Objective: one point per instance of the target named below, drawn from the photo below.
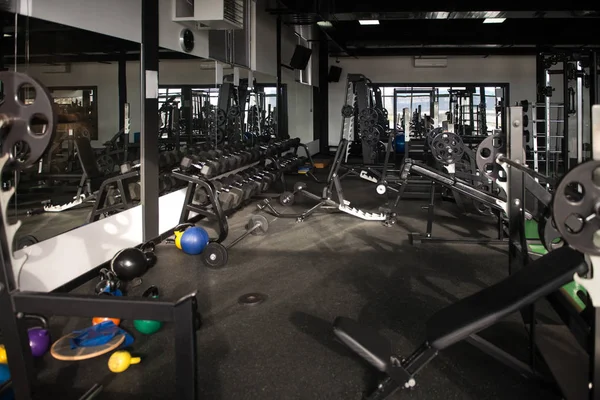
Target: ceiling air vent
(209, 14)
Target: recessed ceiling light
(368, 21)
(324, 24)
(7, 35)
(494, 20)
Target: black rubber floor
(312, 271)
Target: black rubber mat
(310, 272)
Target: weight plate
(252, 299)
(347, 111)
(105, 164)
(221, 117)
(233, 111)
(576, 209)
(261, 221)
(550, 236)
(432, 134)
(447, 148)
(29, 125)
(215, 255)
(286, 199)
(487, 151)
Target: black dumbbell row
(211, 163)
(234, 190)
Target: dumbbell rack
(213, 209)
(14, 303)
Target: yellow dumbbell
(121, 360)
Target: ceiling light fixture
(7, 35)
(368, 21)
(324, 24)
(494, 20)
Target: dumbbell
(232, 185)
(237, 158)
(135, 191)
(210, 166)
(266, 176)
(226, 163)
(246, 185)
(260, 183)
(229, 197)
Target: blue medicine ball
(4, 373)
(194, 240)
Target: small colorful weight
(39, 336)
(178, 239)
(4, 373)
(3, 359)
(194, 240)
(99, 320)
(145, 326)
(120, 360)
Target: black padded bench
(461, 320)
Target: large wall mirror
(94, 80)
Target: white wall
(119, 18)
(517, 71)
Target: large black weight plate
(261, 221)
(575, 208)
(105, 164)
(214, 255)
(27, 126)
(447, 148)
(221, 117)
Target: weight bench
(462, 320)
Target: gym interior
(282, 199)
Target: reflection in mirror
(220, 103)
(90, 169)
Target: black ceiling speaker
(335, 74)
(301, 57)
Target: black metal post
(565, 124)
(280, 115)
(122, 82)
(323, 93)
(149, 131)
(188, 112)
(595, 356)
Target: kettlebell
(178, 231)
(39, 336)
(3, 359)
(120, 360)
(145, 326)
(149, 248)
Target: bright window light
(494, 20)
(368, 21)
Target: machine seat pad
(364, 341)
(486, 307)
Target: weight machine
(333, 184)
(15, 303)
(573, 256)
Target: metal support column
(122, 82)
(279, 86)
(323, 100)
(149, 131)
(566, 109)
(579, 110)
(188, 112)
(515, 192)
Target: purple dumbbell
(39, 336)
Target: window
(459, 104)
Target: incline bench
(461, 320)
